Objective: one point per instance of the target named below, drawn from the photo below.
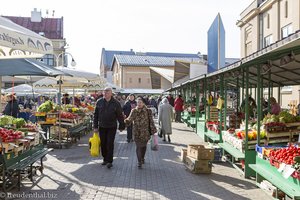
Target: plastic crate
(258, 148)
(264, 148)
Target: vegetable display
(45, 107)
(6, 120)
(19, 122)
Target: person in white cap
(107, 112)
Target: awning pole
(1, 94)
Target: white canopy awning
(27, 89)
(19, 42)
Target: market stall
(20, 149)
(75, 122)
(247, 134)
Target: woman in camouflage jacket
(143, 128)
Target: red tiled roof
(52, 27)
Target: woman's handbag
(154, 142)
(160, 132)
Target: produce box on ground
(218, 152)
(198, 166)
(183, 155)
(199, 152)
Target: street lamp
(73, 63)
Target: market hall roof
(107, 56)
(139, 60)
(281, 59)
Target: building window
(268, 21)
(268, 40)
(286, 9)
(286, 31)
(248, 34)
(130, 80)
(287, 89)
(47, 59)
(248, 49)
(140, 80)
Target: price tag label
(281, 167)
(288, 171)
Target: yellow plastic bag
(220, 103)
(210, 100)
(95, 145)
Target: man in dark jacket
(12, 107)
(171, 99)
(129, 105)
(107, 112)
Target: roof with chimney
(51, 28)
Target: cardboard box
(183, 155)
(199, 152)
(198, 166)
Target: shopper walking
(129, 105)
(165, 117)
(171, 100)
(178, 106)
(107, 112)
(143, 128)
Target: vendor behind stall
(11, 107)
(252, 106)
(77, 101)
(66, 99)
(275, 107)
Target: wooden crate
(8, 147)
(18, 150)
(183, 155)
(36, 136)
(31, 140)
(279, 137)
(198, 166)
(199, 152)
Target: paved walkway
(73, 174)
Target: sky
(177, 26)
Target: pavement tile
(74, 173)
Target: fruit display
(28, 127)
(68, 115)
(46, 107)
(289, 156)
(10, 135)
(213, 126)
(285, 155)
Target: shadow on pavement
(163, 174)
